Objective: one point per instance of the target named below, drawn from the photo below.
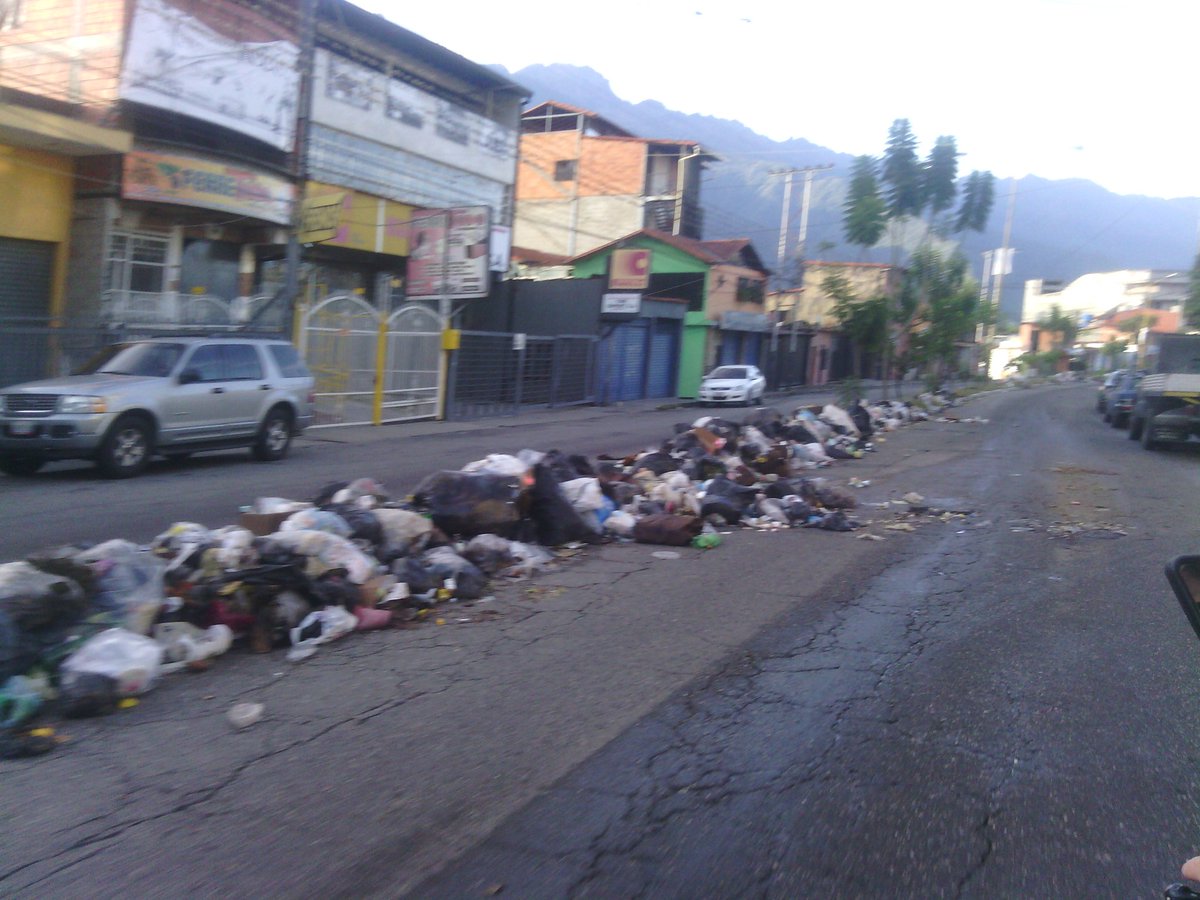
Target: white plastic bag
(182, 643)
(129, 582)
(334, 622)
(131, 660)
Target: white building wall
(1094, 293)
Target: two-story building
(584, 182)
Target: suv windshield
(144, 358)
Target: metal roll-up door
(627, 361)
(751, 344)
(731, 348)
(25, 269)
(664, 352)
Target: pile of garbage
(91, 627)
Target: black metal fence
(497, 373)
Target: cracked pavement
(966, 709)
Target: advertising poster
(448, 252)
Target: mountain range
(1061, 229)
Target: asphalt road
(1002, 703)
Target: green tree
(864, 214)
(1191, 306)
(979, 194)
(939, 176)
(902, 172)
(950, 308)
(864, 321)
(1112, 349)
(1061, 326)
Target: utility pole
(809, 172)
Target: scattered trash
(243, 715)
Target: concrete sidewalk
(785, 400)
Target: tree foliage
(950, 308)
(1062, 327)
(902, 172)
(979, 195)
(939, 176)
(864, 321)
(865, 211)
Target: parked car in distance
(1118, 399)
(740, 384)
(168, 396)
(1109, 380)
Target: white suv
(171, 396)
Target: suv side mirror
(189, 376)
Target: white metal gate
(370, 369)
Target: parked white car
(733, 384)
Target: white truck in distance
(1167, 407)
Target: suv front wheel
(274, 436)
(126, 449)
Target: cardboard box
(263, 524)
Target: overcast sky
(1096, 89)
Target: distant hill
(1061, 229)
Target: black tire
(1148, 440)
(20, 467)
(274, 436)
(1135, 427)
(1107, 417)
(1118, 421)
(126, 448)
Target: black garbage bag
(415, 573)
(763, 418)
(34, 599)
(703, 468)
(19, 652)
(659, 462)
(443, 564)
(723, 428)
(470, 503)
(364, 525)
(727, 499)
(554, 520)
(565, 468)
(325, 494)
(84, 694)
(335, 589)
(862, 420)
(798, 433)
(836, 520)
(798, 512)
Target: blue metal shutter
(664, 353)
(751, 345)
(627, 361)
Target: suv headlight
(81, 403)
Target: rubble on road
(86, 629)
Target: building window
(136, 263)
(11, 14)
(564, 170)
(749, 290)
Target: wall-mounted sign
(188, 181)
(448, 252)
(354, 99)
(620, 304)
(338, 217)
(238, 71)
(629, 270)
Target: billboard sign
(200, 67)
(629, 270)
(189, 181)
(448, 252)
